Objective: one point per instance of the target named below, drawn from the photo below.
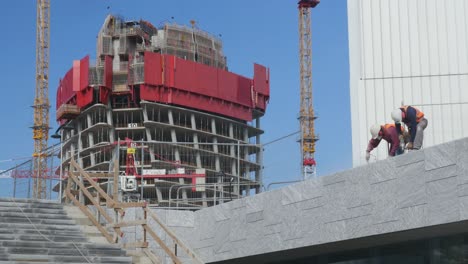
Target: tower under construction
(161, 101)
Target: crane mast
(41, 101)
(306, 115)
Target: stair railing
(95, 195)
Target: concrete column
(259, 159)
(246, 158)
(215, 145)
(176, 151)
(197, 153)
(232, 150)
(112, 136)
(92, 155)
(195, 141)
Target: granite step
(63, 259)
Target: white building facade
(411, 52)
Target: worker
(415, 121)
(390, 134)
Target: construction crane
(306, 115)
(41, 101)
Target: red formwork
(65, 91)
(261, 86)
(172, 80)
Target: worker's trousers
(418, 140)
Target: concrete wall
(410, 52)
(420, 189)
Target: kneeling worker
(415, 121)
(390, 134)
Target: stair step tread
(38, 226)
(59, 258)
(34, 215)
(43, 237)
(32, 230)
(71, 251)
(36, 220)
(33, 210)
(42, 244)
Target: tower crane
(306, 115)
(41, 101)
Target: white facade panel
(411, 52)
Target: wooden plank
(187, 250)
(162, 244)
(90, 216)
(139, 244)
(128, 223)
(127, 205)
(67, 200)
(96, 204)
(93, 183)
(153, 257)
(115, 188)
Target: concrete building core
(162, 102)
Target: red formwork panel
(84, 97)
(153, 68)
(80, 74)
(169, 62)
(66, 89)
(261, 79)
(227, 85)
(261, 86)
(195, 77)
(244, 91)
(212, 105)
(150, 93)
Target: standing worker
(415, 121)
(390, 134)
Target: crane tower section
(306, 115)
(41, 101)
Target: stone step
(33, 210)
(64, 259)
(76, 232)
(31, 205)
(43, 237)
(36, 221)
(72, 251)
(42, 244)
(34, 215)
(27, 200)
(38, 226)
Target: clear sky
(264, 32)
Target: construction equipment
(306, 116)
(41, 101)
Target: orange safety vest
(387, 126)
(419, 114)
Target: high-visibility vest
(419, 114)
(386, 126)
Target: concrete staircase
(94, 235)
(40, 231)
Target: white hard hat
(396, 115)
(374, 130)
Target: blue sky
(264, 32)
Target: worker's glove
(401, 138)
(409, 146)
(367, 156)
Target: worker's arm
(373, 143)
(412, 124)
